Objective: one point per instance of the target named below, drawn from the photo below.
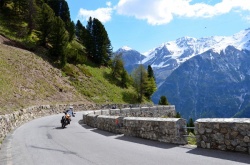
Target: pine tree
(32, 14)
(45, 22)
(139, 76)
(150, 86)
(90, 45)
(58, 39)
(118, 72)
(117, 66)
(20, 7)
(150, 72)
(71, 31)
(78, 29)
(125, 79)
(61, 9)
(98, 44)
(81, 33)
(163, 101)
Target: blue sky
(146, 24)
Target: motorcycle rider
(70, 111)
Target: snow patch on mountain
(185, 48)
(126, 48)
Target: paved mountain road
(43, 142)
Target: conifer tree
(20, 7)
(125, 79)
(31, 15)
(139, 76)
(98, 44)
(78, 29)
(150, 84)
(150, 87)
(117, 66)
(163, 101)
(118, 72)
(150, 72)
(58, 39)
(71, 31)
(90, 45)
(45, 22)
(61, 9)
(81, 33)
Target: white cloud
(109, 4)
(158, 12)
(102, 14)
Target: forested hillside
(40, 35)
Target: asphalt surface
(43, 142)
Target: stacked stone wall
(11, 121)
(154, 111)
(231, 134)
(169, 130)
(108, 123)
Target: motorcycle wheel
(63, 124)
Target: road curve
(43, 142)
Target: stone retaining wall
(10, 121)
(170, 130)
(154, 111)
(108, 123)
(231, 134)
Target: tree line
(47, 24)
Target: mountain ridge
(222, 61)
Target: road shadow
(96, 130)
(147, 142)
(225, 155)
(86, 126)
(57, 150)
(104, 133)
(59, 127)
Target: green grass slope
(26, 79)
(97, 85)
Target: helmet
(70, 107)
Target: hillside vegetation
(46, 58)
(26, 79)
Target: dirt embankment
(26, 80)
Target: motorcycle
(66, 119)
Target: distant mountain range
(206, 77)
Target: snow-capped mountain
(131, 57)
(205, 77)
(170, 55)
(210, 84)
(185, 48)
